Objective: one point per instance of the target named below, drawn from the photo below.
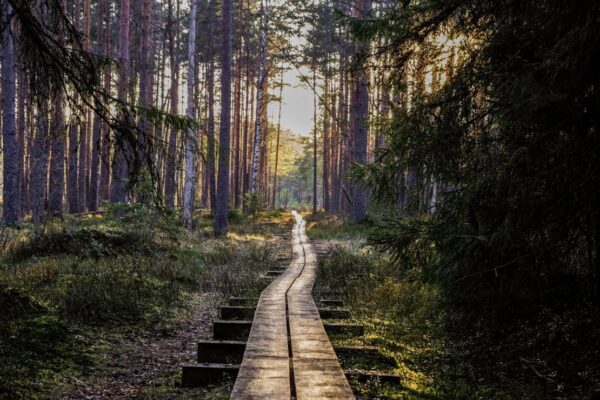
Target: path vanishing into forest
(288, 353)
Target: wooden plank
(276, 356)
(317, 371)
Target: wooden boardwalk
(288, 354)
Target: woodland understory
(449, 176)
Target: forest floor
(442, 352)
(110, 308)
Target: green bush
(95, 242)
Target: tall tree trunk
(10, 192)
(57, 167)
(326, 143)
(104, 186)
(72, 184)
(260, 90)
(237, 123)
(23, 140)
(72, 173)
(210, 77)
(190, 137)
(84, 132)
(170, 179)
(145, 88)
(315, 123)
(277, 140)
(221, 224)
(360, 114)
(120, 169)
(39, 168)
(101, 39)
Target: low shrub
(82, 241)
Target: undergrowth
(67, 286)
(444, 352)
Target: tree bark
(360, 114)
(39, 168)
(315, 124)
(260, 95)
(120, 170)
(170, 179)
(277, 140)
(190, 137)
(221, 223)
(10, 192)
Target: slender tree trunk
(145, 88)
(10, 170)
(57, 168)
(72, 173)
(170, 179)
(260, 88)
(237, 128)
(210, 156)
(101, 38)
(72, 186)
(83, 177)
(104, 145)
(326, 145)
(221, 224)
(360, 114)
(120, 170)
(315, 123)
(23, 140)
(277, 140)
(190, 137)
(39, 168)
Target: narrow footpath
(288, 354)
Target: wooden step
(352, 330)
(197, 375)
(230, 313)
(363, 376)
(369, 355)
(221, 351)
(243, 301)
(334, 313)
(231, 330)
(332, 302)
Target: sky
(297, 111)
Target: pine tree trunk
(72, 186)
(10, 192)
(190, 137)
(101, 38)
(326, 146)
(23, 141)
(260, 88)
(145, 86)
(84, 132)
(39, 168)
(237, 129)
(360, 115)
(170, 179)
(277, 140)
(119, 167)
(315, 123)
(221, 224)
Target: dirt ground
(149, 367)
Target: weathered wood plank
(279, 361)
